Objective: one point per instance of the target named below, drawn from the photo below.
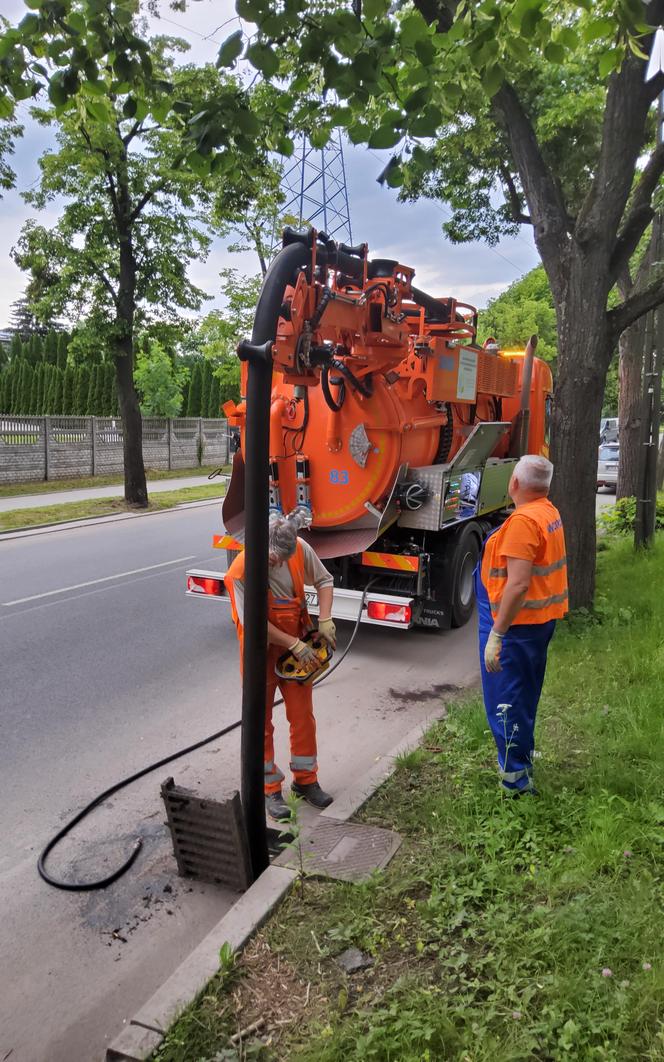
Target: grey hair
(534, 473)
(283, 531)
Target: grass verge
(14, 519)
(503, 930)
(52, 486)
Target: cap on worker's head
(283, 531)
(534, 473)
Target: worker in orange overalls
(521, 590)
(293, 564)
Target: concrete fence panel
(108, 453)
(38, 448)
(185, 442)
(69, 447)
(215, 442)
(23, 444)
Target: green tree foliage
(35, 350)
(110, 394)
(56, 400)
(51, 347)
(195, 395)
(25, 392)
(214, 408)
(98, 395)
(16, 348)
(36, 389)
(82, 388)
(90, 397)
(46, 390)
(68, 391)
(185, 396)
(61, 357)
(525, 308)
(159, 382)
(135, 217)
(14, 383)
(206, 388)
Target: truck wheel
(464, 559)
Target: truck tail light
(200, 584)
(381, 610)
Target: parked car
(607, 465)
(608, 430)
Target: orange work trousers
(287, 615)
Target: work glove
(303, 653)
(328, 631)
(492, 650)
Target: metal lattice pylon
(314, 183)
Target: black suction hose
(102, 883)
(282, 272)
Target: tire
(463, 562)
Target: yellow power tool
(289, 667)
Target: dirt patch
(429, 693)
(271, 991)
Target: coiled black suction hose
(102, 883)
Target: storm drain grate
(343, 850)
(209, 838)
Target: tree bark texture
(584, 353)
(630, 370)
(136, 491)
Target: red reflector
(381, 610)
(199, 584)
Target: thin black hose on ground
(102, 883)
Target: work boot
(276, 807)
(313, 794)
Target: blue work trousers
(512, 694)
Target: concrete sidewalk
(34, 501)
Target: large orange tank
(355, 453)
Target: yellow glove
(492, 651)
(328, 631)
(303, 653)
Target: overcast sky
(411, 233)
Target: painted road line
(94, 582)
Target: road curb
(90, 521)
(148, 1027)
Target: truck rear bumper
(380, 610)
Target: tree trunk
(584, 354)
(630, 408)
(136, 490)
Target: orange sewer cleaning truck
(393, 426)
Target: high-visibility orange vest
(547, 596)
(296, 569)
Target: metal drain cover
(209, 837)
(343, 850)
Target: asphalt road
(106, 666)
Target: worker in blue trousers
(521, 589)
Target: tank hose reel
(412, 496)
